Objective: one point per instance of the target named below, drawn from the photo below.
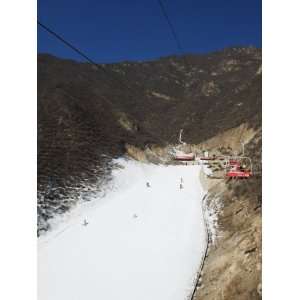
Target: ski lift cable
(59, 37)
(173, 31)
(172, 28)
(82, 54)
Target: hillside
(87, 115)
(234, 260)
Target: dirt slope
(232, 269)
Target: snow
(211, 213)
(141, 243)
(207, 171)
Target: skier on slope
(148, 184)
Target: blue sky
(116, 30)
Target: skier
(85, 222)
(181, 186)
(148, 184)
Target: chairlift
(239, 167)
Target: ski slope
(141, 243)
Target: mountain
(86, 115)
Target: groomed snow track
(140, 243)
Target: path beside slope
(140, 244)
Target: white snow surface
(141, 243)
(211, 213)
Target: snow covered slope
(141, 243)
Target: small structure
(213, 157)
(184, 156)
(180, 155)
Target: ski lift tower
(180, 137)
(243, 147)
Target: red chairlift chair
(235, 170)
